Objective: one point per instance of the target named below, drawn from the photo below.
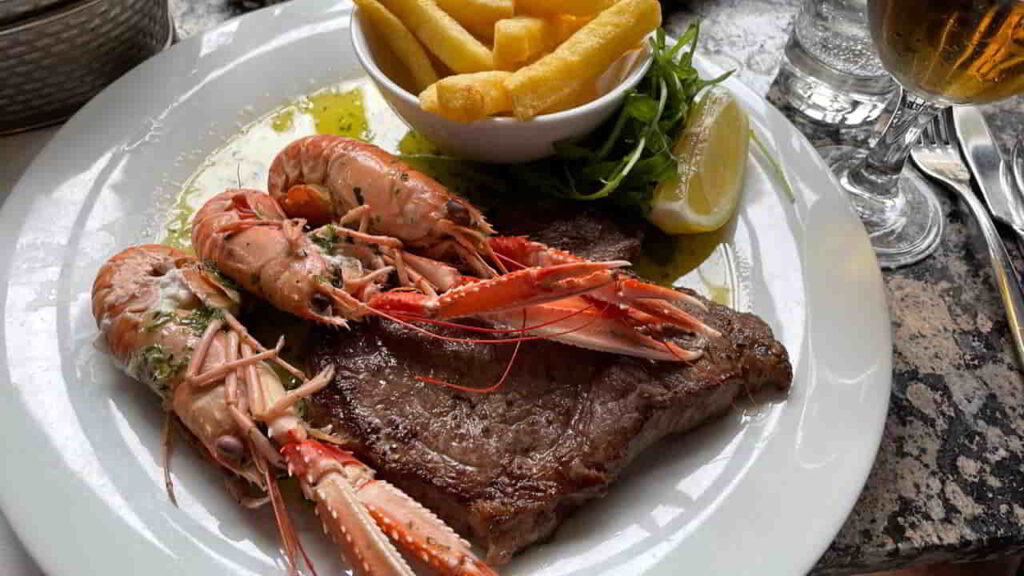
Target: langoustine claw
(626, 292)
(332, 475)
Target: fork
(1017, 164)
(938, 156)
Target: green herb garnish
(631, 154)
(158, 319)
(326, 238)
(160, 366)
(211, 267)
(199, 319)
(780, 174)
(622, 161)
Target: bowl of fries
(503, 80)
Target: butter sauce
(704, 263)
(346, 109)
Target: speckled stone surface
(948, 483)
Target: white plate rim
(62, 548)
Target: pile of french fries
(471, 59)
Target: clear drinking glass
(942, 52)
(830, 71)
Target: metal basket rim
(46, 18)
(13, 14)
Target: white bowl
(503, 140)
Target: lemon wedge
(712, 152)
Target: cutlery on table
(938, 156)
(1017, 166)
(992, 174)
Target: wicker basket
(56, 61)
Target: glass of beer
(942, 52)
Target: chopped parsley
(211, 267)
(327, 239)
(159, 318)
(159, 366)
(199, 319)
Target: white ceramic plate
(761, 492)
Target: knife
(990, 171)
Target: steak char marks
(506, 468)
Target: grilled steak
(587, 232)
(505, 468)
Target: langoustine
(170, 324)
(443, 252)
(326, 178)
(332, 277)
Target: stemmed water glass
(942, 52)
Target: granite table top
(947, 483)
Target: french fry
(550, 7)
(428, 99)
(389, 62)
(565, 25)
(586, 93)
(520, 40)
(556, 77)
(442, 35)
(398, 38)
(384, 57)
(469, 97)
(478, 16)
